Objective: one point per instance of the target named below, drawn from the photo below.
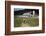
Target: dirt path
(25, 25)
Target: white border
(25, 28)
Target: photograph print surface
(24, 17)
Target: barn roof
(20, 12)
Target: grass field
(30, 21)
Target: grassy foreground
(31, 21)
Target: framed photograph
(24, 17)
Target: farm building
(27, 13)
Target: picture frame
(11, 6)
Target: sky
(16, 9)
